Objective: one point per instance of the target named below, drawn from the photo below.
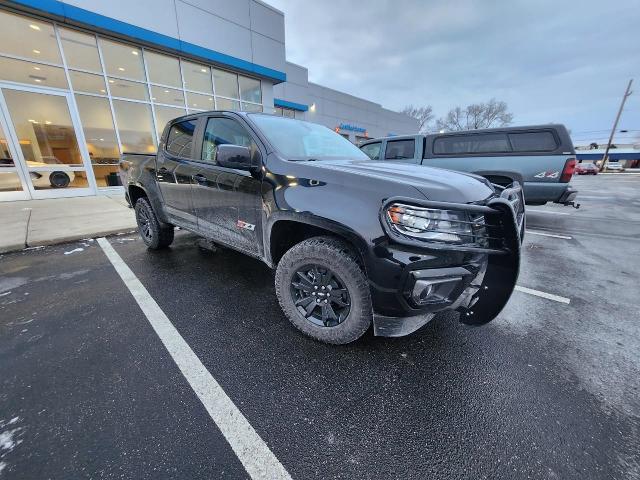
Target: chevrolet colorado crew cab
(541, 157)
(355, 243)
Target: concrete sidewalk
(33, 223)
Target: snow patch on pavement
(79, 249)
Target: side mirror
(236, 156)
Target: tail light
(568, 170)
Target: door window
(180, 139)
(221, 131)
(372, 150)
(475, 143)
(533, 142)
(400, 149)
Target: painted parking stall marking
(254, 454)
(538, 293)
(552, 235)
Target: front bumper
(475, 281)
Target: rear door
(175, 170)
(401, 150)
(227, 201)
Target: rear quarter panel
(138, 170)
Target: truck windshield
(298, 140)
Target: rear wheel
(323, 291)
(59, 180)
(154, 233)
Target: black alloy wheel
(320, 295)
(144, 224)
(154, 233)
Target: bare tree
(494, 113)
(423, 115)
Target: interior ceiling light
(133, 52)
(34, 27)
(36, 51)
(121, 69)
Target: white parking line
(547, 211)
(257, 459)
(553, 235)
(538, 293)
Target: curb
(64, 239)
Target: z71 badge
(247, 226)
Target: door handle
(200, 178)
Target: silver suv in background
(541, 158)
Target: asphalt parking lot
(550, 389)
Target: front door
(227, 201)
(42, 147)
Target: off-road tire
(154, 234)
(336, 255)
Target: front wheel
(323, 291)
(154, 234)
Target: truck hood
(436, 184)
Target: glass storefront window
(28, 38)
(10, 182)
(197, 77)
(164, 115)
(135, 126)
(251, 107)
(226, 83)
(169, 96)
(32, 73)
(100, 136)
(131, 81)
(201, 102)
(122, 60)
(87, 82)
(126, 89)
(5, 154)
(163, 69)
(226, 104)
(250, 90)
(80, 50)
(44, 128)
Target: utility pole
(605, 157)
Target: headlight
(450, 226)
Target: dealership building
(82, 81)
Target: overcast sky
(550, 60)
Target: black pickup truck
(355, 243)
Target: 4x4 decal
(547, 175)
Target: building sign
(352, 128)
